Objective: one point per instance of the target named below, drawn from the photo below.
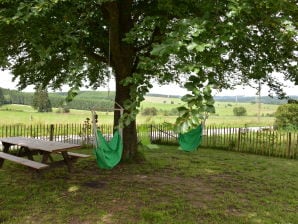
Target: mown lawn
(170, 186)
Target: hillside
(87, 99)
(252, 99)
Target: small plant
(86, 131)
(239, 111)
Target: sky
(171, 89)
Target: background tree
(41, 101)
(287, 116)
(198, 44)
(239, 111)
(2, 99)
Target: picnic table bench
(31, 146)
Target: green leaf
(192, 46)
(187, 98)
(189, 86)
(194, 79)
(182, 110)
(201, 47)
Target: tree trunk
(122, 61)
(121, 57)
(130, 131)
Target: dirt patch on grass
(95, 184)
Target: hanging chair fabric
(191, 140)
(108, 154)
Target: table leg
(5, 149)
(67, 160)
(28, 152)
(45, 157)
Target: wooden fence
(249, 140)
(72, 133)
(263, 141)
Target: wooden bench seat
(23, 161)
(78, 155)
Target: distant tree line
(8, 96)
(84, 101)
(163, 95)
(252, 99)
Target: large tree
(198, 43)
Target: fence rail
(251, 140)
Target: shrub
(63, 110)
(149, 111)
(239, 111)
(287, 116)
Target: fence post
(289, 145)
(51, 132)
(151, 138)
(239, 139)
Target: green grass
(226, 108)
(234, 121)
(170, 186)
(13, 114)
(221, 108)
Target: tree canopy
(200, 44)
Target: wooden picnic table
(32, 146)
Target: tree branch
(155, 37)
(96, 57)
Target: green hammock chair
(191, 140)
(108, 154)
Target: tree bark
(122, 57)
(124, 69)
(130, 131)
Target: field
(12, 114)
(169, 186)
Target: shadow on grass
(170, 186)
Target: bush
(287, 116)
(149, 111)
(239, 111)
(63, 110)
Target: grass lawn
(170, 186)
(14, 114)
